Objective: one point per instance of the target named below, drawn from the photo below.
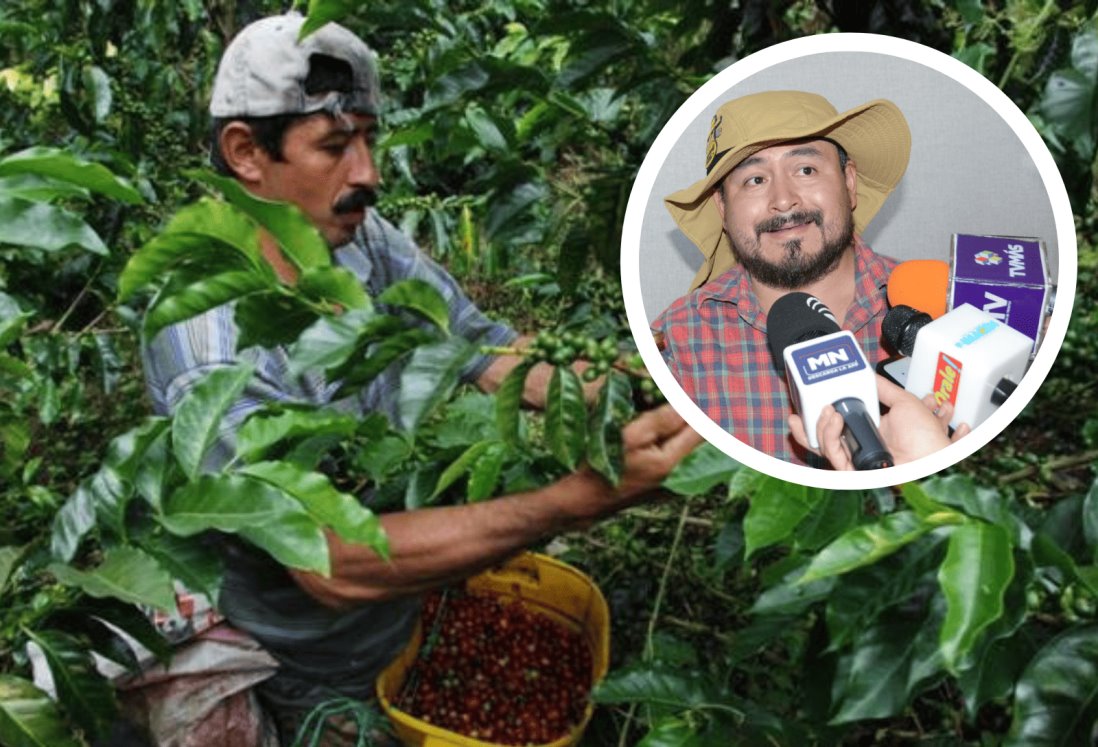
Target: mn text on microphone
(824, 366)
(966, 357)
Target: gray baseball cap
(266, 71)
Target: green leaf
(156, 470)
(703, 469)
(42, 226)
(176, 304)
(126, 573)
(485, 129)
(15, 439)
(28, 718)
(39, 189)
(266, 428)
(865, 594)
(565, 417)
(776, 508)
(873, 679)
(192, 561)
(322, 11)
(382, 457)
(298, 238)
(124, 463)
(208, 233)
(866, 545)
(509, 402)
(1056, 699)
(56, 163)
(836, 512)
(922, 504)
(976, 56)
(362, 369)
(295, 541)
(429, 378)
(227, 502)
(592, 52)
(9, 561)
(1090, 518)
(658, 686)
(978, 567)
(329, 507)
(979, 502)
(98, 84)
(1004, 649)
(197, 419)
(110, 494)
(789, 598)
(614, 407)
(85, 694)
(331, 340)
(127, 618)
(460, 466)
(268, 517)
(269, 318)
(485, 473)
(421, 297)
(72, 522)
(333, 285)
(1066, 102)
(669, 731)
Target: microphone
(824, 366)
(1005, 276)
(922, 284)
(966, 357)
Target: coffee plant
(956, 611)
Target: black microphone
(825, 366)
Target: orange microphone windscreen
(922, 284)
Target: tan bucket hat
(875, 136)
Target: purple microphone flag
(1005, 276)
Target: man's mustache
(352, 202)
(779, 222)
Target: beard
(796, 268)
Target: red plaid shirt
(716, 348)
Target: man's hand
(655, 442)
(911, 429)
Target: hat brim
(876, 137)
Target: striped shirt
(716, 348)
(379, 255)
(322, 652)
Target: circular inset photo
(848, 261)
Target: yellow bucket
(547, 587)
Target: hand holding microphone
(825, 367)
(911, 428)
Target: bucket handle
(521, 570)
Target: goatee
(795, 269)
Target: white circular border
(718, 88)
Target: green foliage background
(957, 611)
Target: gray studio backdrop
(968, 172)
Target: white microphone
(966, 356)
(825, 366)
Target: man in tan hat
(790, 184)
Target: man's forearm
(434, 546)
